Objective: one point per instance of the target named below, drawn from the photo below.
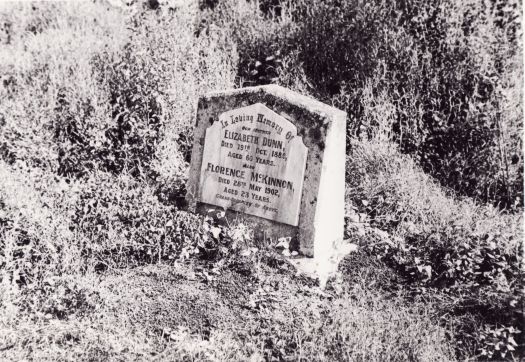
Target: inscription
(254, 162)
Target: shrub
(58, 298)
(445, 71)
(39, 81)
(441, 79)
(36, 241)
(124, 224)
(261, 39)
(83, 115)
(470, 254)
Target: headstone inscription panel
(254, 162)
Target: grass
(462, 258)
(405, 202)
(100, 262)
(177, 312)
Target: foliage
(102, 128)
(259, 38)
(441, 79)
(58, 298)
(131, 225)
(470, 254)
(498, 341)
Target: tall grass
(97, 111)
(470, 256)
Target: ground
(250, 310)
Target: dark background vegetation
(445, 69)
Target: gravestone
(274, 159)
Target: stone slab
(310, 214)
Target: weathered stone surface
(310, 214)
(254, 162)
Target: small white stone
(245, 252)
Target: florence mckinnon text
(255, 177)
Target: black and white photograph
(262, 180)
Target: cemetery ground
(99, 260)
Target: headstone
(274, 158)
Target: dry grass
(176, 312)
(407, 202)
(469, 255)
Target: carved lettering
(254, 162)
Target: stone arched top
(310, 105)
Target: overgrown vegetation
(464, 257)
(441, 79)
(99, 261)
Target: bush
(36, 241)
(441, 79)
(40, 81)
(469, 254)
(444, 69)
(99, 104)
(59, 298)
(124, 224)
(127, 140)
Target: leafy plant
(498, 342)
